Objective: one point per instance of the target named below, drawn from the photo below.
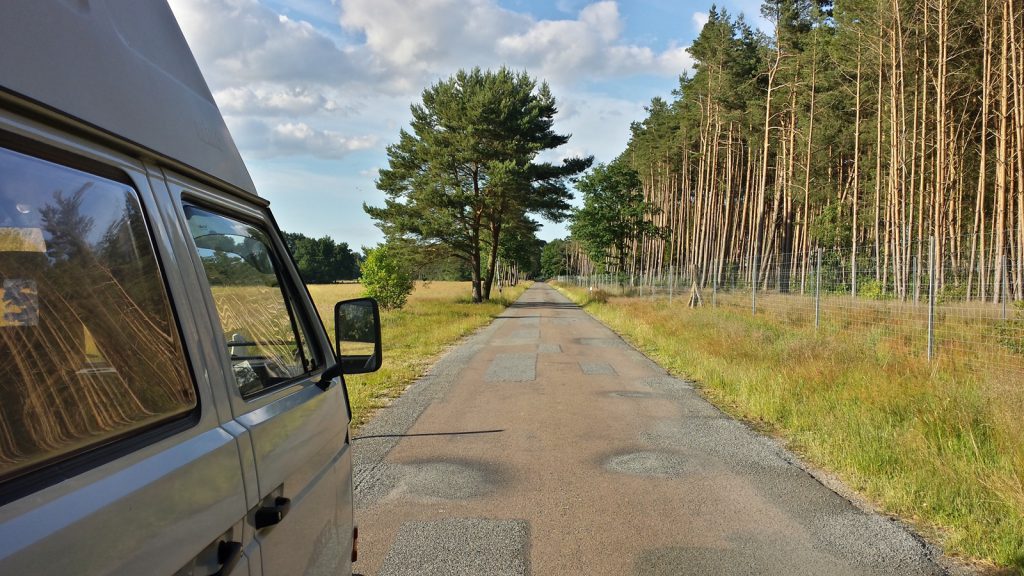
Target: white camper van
(169, 400)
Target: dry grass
(939, 444)
(436, 316)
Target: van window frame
(290, 283)
(59, 468)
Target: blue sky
(314, 90)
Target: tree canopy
(851, 126)
(552, 259)
(322, 260)
(614, 213)
(468, 170)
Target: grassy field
(437, 315)
(940, 444)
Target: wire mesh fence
(939, 307)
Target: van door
(273, 351)
(112, 460)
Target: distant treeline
(859, 126)
(322, 260)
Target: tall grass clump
(941, 445)
(436, 315)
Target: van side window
(89, 347)
(267, 342)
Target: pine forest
(874, 130)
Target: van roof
(122, 66)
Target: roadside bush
(386, 277)
(1011, 332)
(952, 293)
(872, 290)
(599, 296)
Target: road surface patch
(512, 367)
(521, 337)
(549, 349)
(563, 321)
(650, 463)
(876, 541)
(446, 480)
(747, 555)
(597, 368)
(725, 440)
(631, 394)
(459, 547)
(603, 342)
(666, 384)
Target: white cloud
(699, 20)
(599, 125)
(267, 139)
(262, 65)
(300, 138)
(242, 41)
(428, 34)
(273, 100)
(417, 42)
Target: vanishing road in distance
(546, 445)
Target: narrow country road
(546, 445)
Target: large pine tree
(469, 169)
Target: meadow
(939, 444)
(436, 316)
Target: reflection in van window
(261, 332)
(88, 345)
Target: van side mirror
(357, 336)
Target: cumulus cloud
(699, 20)
(413, 41)
(273, 100)
(298, 138)
(268, 138)
(241, 41)
(292, 87)
(428, 34)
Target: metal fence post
(853, 276)
(817, 293)
(714, 284)
(670, 286)
(1006, 284)
(755, 273)
(931, 298)
(917, 279)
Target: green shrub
(1010, 332)
(872, 290)
(952, 293)
(386, 277)
(599, 296)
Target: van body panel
(148, 518)
(297, 433)
(124, 67)
(114, 82)
(153, 509)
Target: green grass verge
(436, 316)
(938, 445)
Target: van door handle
(228, 554)
(270, 515)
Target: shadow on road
(547, 305)
(427, 434)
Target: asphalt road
(547, 445)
